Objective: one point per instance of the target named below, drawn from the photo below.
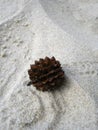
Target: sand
(33, 29)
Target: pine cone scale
(52, 74)
(46, 74)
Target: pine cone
(46, 74)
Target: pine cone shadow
(58, 99)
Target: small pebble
(4, 55)
(26, 25)
(17, 21)
(4, 47)
(21, 41)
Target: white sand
(68, 30)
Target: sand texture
(33, 29)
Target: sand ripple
(25, 37)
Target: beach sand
(33, 29)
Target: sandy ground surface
(32, 29)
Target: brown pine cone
(46, 74)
